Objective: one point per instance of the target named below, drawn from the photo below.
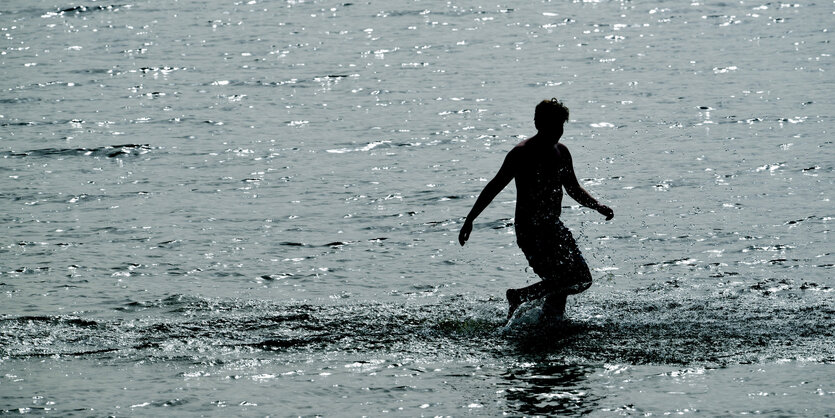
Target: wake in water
(751, 324)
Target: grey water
(251, 207)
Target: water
(251, 208)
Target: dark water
(251, 208)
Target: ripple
(110, 151)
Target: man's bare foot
(513, 300)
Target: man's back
(538, 169)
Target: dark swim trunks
(553, 254)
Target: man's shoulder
(522, 143)
(518, 148)
(563, 151)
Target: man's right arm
(496, 185)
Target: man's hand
(606, 211)
(464, 235)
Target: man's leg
(554, 300)
(562, 260)
(554, 293)
(554, 305)
(516, 297)
(534, 291)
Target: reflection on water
(549, 388)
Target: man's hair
(550, 114)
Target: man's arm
(577, 192)
(496, 185)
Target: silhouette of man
(542, 167)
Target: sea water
(251, 207)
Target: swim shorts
(553, 254)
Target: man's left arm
(576, 191)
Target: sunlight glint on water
(252, 208)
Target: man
(542, 167)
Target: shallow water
(252, 208)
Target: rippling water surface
(251, 207)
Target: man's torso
(538, 171)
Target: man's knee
(580, 270)
(584, 273)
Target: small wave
(367, 147)
(110, 151)
(72, 321)
(76, 10)
(19, 100)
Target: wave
(109, 151)
(81, 9)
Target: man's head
(550, 115)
